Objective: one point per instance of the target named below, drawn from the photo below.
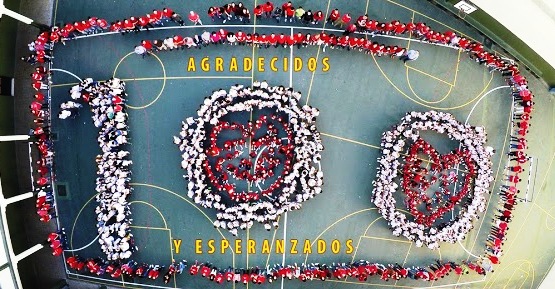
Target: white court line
(84, 247)
(65, 71)
(482, 97)
(272, 26)
(454, 284)
(139, 285)
(460, 145)
(529, 177)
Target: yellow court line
(154, 207)
(163, 83)
(439, 252)
(437, 21)
(535, 200)
(350, 140)
(491, 281)
(451, 86)
(149, 228)
(423, 100)
(457, 67)
(546, 212)
(272, 243)
(360, 237)
(75, 221)
(253, 49)
(189, 202)
(365, 11)
(318, 52)
(55, 12)
(335, 223)
(405, 260)
(386, 239)
(369, 145)
(423, 104)
(171, 254)
(512, 275)
(407, 256)
(428, 74)
(248, 236)
(410, 33)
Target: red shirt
(167, 12)
(318, 16)
(346, 18)
(194, 17)
(268, 7)
(102, 23)
(148, 45)
(289, 12)
(334, 15)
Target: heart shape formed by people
(463, 194)
(425, 200)
(251, 153)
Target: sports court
(359, 96)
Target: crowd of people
(394, 143)
(359, 270)
(299, 39)
(115, 269)
(416, 183)
(40, 137)
(41, 53)
(362, 24)
(107, 102)
(267, 151)
(302, 177)
(156, 18)
(57, 241)
(523, 107)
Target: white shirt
(64, 114)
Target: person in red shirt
(267, 9)
(213, 13)
(389, 28)
(115, 26)
(318, 16)
(289, 13)
(334, 16)
(351, 28)
(372, 26)
(241, 37)
(38, 85)
(361, 22)
(272, 40)
(258, 11)
(298, 39)
(287, 5)
(344, 20)
(57, 251)
(194, 18)
(147, 44)
(144, 23)
(178, 41)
